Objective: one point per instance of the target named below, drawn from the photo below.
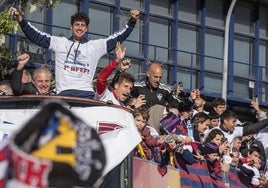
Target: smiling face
(42, 81)
(217, 139)
(203, 126)
(230, 124)
(214, 123)
(79, 28)
(235, 158)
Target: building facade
(186, 36)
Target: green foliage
(5, 62)
(6, 24)
(43, 3)
(6, 27)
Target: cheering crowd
(175, 127)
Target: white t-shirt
(76, 74)
(108, 95)
(255, 178)
(238, 131)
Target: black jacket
(153, 96)
(20, 88)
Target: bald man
(155, 92)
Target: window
(187, 43)
(214, 13)
(188, 10)
(242, 56)
(161, 7)
(213, 83)
(242, 18)
(159, 38)
(35, 15)
(241, 88)
(187, 77)
(108, 1)
(263, 21)
(214, 43)
(37, 53)
(62, 22)
(100, 21)
(132, 42)
(136, 69)
(263, 56)
(133, 4)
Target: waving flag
(115, 127)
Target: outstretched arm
(134, 15)
(15, 82)
(22, 60)
(105, 73)
(33, 34)
(123, 33)
(254, 127)
(124, 65)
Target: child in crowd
(144, 148)
(171, 118)
(255, 166)
(173, 153)
(201, 122)
(253, 163)
(235, 157)
(211, 152)
(237, 142)
(172, 123)
(214, 119)
(216, 136)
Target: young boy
(210, 150)
(144, 148)
(253, 163)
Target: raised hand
(255, 105)
(15, 14)
(134, 14)
(120, 53)
(125, 64)
(195, 93)
(140, 101)
(22, 60)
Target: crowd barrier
(146, 174)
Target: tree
(8, 25)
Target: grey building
(187, 36)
